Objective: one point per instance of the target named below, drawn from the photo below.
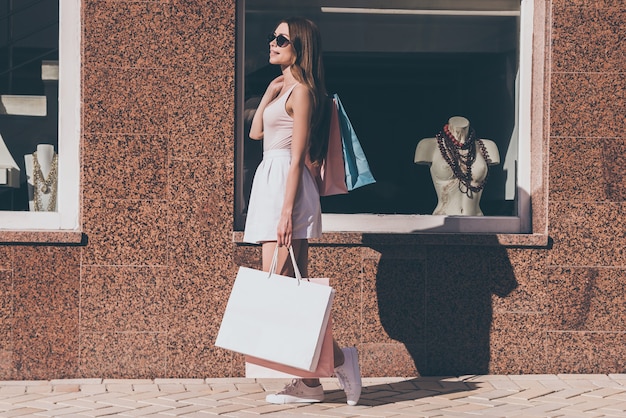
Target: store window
(404, 70)
(39, 114)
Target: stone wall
(143, 295)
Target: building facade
(139, 288)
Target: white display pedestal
(9, 170)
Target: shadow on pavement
(406, 390)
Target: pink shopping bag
(330, 176)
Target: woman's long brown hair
(308, 69)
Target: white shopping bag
(276, 318)
(257, 368)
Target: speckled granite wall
(144, 295)
(585, 276)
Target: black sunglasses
(281, 40)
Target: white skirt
(267, 197)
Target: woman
(284, 208)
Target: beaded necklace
(43, 185)
(461, 164)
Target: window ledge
(41, 237)
(359, 238)
(372, 229)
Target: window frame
(529, 123)
(520, 224)
(67, 216)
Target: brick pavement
(491, 396)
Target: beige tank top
(277, 124)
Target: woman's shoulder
(301, 89)
(300, 93)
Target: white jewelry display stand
(42, 185)
(9, 170)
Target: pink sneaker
(297, 392)
(349, 375)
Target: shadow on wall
(437, 301)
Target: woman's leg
(267, 254)
(302, 258)
(284, 266)
(352, 382)
(301, 253)
(339, 360)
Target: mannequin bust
(458, 166)
(41, 174)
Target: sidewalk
(492, 396)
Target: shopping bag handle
(274, 264)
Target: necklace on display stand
(43, 186)
(461, 163)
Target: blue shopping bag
(358, 171)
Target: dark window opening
(401, 76)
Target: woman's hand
(285, 231)
(274, 88)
